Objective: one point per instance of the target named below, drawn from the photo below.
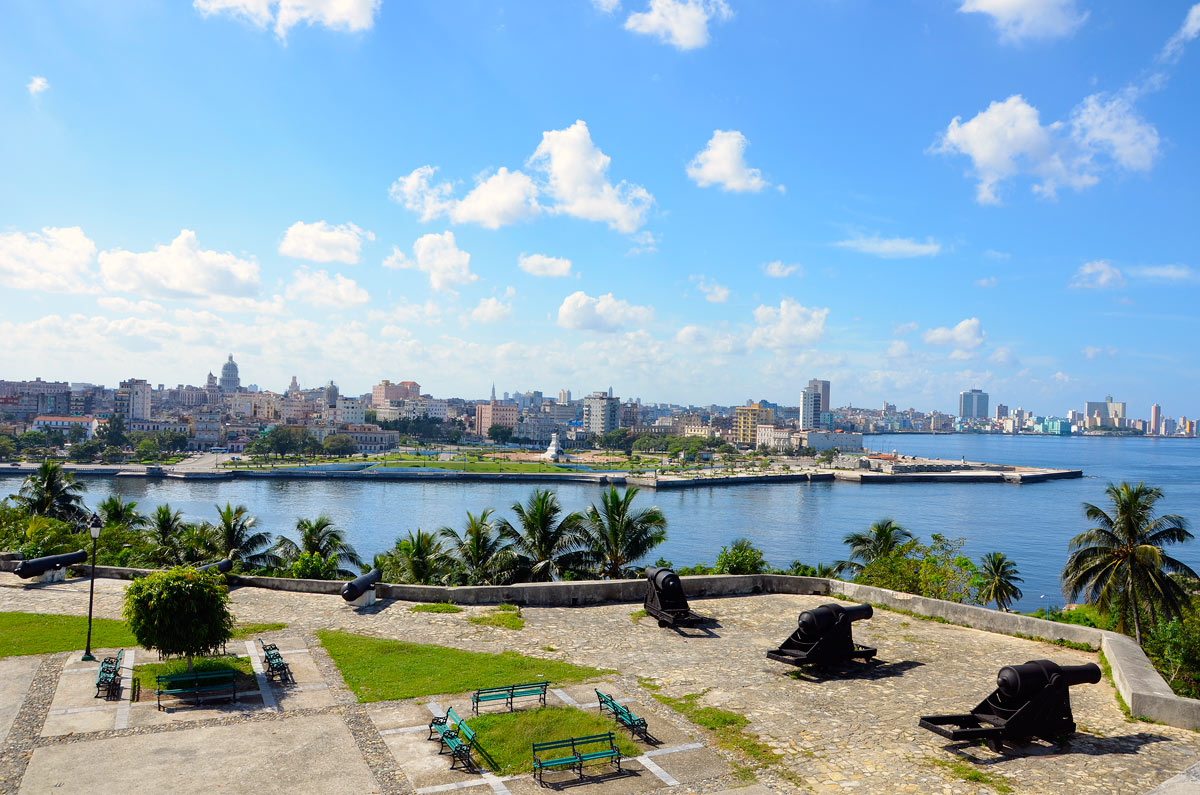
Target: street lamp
(94, 529)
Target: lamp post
(94, 529)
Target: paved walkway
(854, 731)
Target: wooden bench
(622, 715)
(108, 678)
(508, 693)
(276, 667)
(195, 683)
(455, 736)
(572, 753)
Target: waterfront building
(746, 420)
(1001, 411)
(230, 381)
(371, 438)
(64, 424)
(204, 429)
(601, 412)
(773, 437)
(973, 404)
(1155, 419)
(1106, 414)
(810, 407)
(822, 388)
(828, 440)
(133, 399)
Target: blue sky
(690, 200)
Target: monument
(554, 450)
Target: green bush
(311, 566)
(936, 570)
(180, 611)
(740, 557)
(1174, 648)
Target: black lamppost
(94, 529)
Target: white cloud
(249, 306)
(892, 247)
(1165, 273)
(1097, 275)
(1028, 19)
(503, 198)
(898, 349)
(37, 85)
(777, 270)
(179, 270)
(350, 16)
(986, 281)
(430, 313)
(604, 313)
(1092, 351)
(997, 255)
(789, 326)
(541, 265)
(902, 329)
(1002, 356)
(490, 310)
(680, 23)
(322, 242)
(576, 174)
(713, 293)
(437, 256)
(644, 242)
(115, 303)
(607, 6)
(56, 260)
(1109, 124)
(1190, 29)
(966, 335)
(1062, 377)
(723, 163)
(418, 193)
(320, 289)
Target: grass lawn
(249, 631)
(436, 607)
(384, 670)
(480, 466)
(41, 633)
(499, 619)
(504, 739)
(144, 674)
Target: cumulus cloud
(322, 242)
(713, 293)
(541, 265)
(124, 306)
(607, 6)
(320, 289)
(965, 336)
(898, 349)
(503, 198)
(37, 85)
(644, 242)
(417, 192)
(986, 281)
(439, 257)
(1018, 20)
(603, 313)
(681, 23)
(1165, 273)
(490, 310)
(1109, 124)
(892, 247)
(1092, 351)
(905, 328)
(790, 325)
(180, 269)
(777, 270)
(351, 16)
(1002, 356)
(1097, 275)
(1190, 29)
(723, 163)
(56, 260)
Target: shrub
(179, 611)
(740, 557)
(311, 566)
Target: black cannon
(36, 567)
(224, 566)
(823, 637)
(361, 584)
(665, 600)
(1030, 700)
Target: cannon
(360, 591)
(1030, 700)
(224, 566)
(823, 637)
(50, 568)
(665, 600)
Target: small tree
(500, 433)
(339, 444)
(740, 557)
(179, 611)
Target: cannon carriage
(666, 602)
(823, 637)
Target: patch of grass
(144, 674)
(42, 633)
(382, 670)
(436, 607)
(648, 683)
(1106, 670)
(726, 725)
(549, 648)
(1066, 644)
(504, 739)
(502, 620)
(505, 607)
(966, 772)
(247, 631)
(637, 615)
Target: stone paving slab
(16, 673)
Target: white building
(64, 424)
(601, 413)
(810, 408)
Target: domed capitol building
(229, 376)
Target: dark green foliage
(311, 566)
(614, 536)
(882, 538)
(179, 612)
(997, 580)
(52, 492)
(545, 543)
(339, 444)
(320, 538)
(937, 570)
(480, 555)
(740, 557)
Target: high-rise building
(495, 413)
(564, 396)
(1106, 414)
(810, 406)
(1155, 419)
(601, 412)
(746, 420)
(229, 377)
(1001, 411)
(822, 388)
(132, 399)
(973, 404)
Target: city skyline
(709, 218)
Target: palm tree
(1120, 566)
(320, 537)
(198, 543)
(480, 552)
(999, 577)
(52, 492)
(417, 558)
(881, 539)
(115, 511)
(544, 545)
(614, 537)
(237, 539)
(165, 531)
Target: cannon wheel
(663, 624)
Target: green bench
(196, 683)
(508, 693)
(454, 736)
(622, 715)
(108, 678)
(573, 753)
(276, 667)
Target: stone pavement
(857, 730)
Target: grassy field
(250, 631)
(504, 739)
(144, 674)
(480, 466)
(384, 670)
(40, 633)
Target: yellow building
(746, 420)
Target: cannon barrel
(361, 584)
(224, 566)
(1022, 681)
(39, 566)
(663, 579)
(818, 621)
